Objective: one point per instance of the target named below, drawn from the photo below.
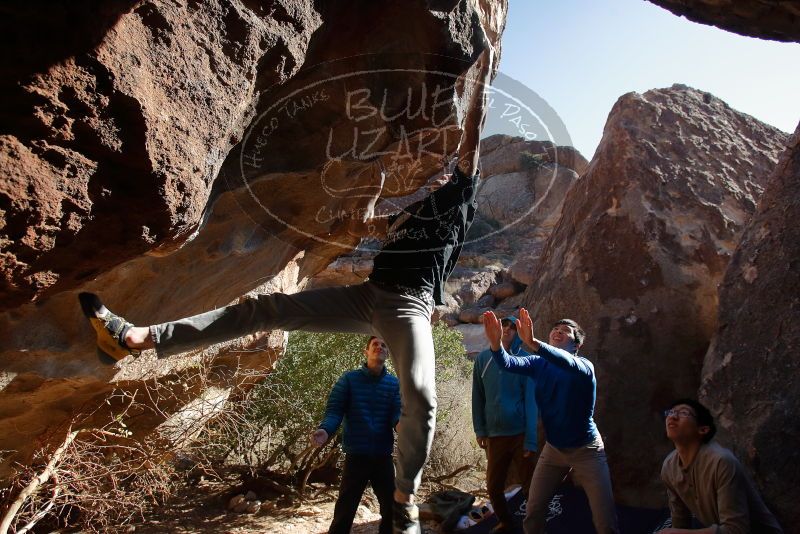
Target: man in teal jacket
(368, 400)
(504, 416)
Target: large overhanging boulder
(175, 156)
(751, 370)
(768, 19)
(642, 243)
(117, 125)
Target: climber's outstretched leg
(334, 309)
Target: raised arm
(459, 188)
(469, 149)
(364, 221)
(552, 354)
(563, 359)
(449, 190)
(523, 365)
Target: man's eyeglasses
(680, 414)
(506, 324)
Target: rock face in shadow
(642, 243)
(182, 155)
(115, 134)
(751, 371)
(767, 19)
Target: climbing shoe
(110, 328)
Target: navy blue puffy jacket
(370, 407)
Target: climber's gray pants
(403, 321)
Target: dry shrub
(98, 474)
(97, 477)
(454, 445)
(273, 421)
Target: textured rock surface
(519, 201)
(474, 338)
(751, 371)
(346, 270)
(116, 126)
(521, 197)
(643, 241)
(123, 180)
(768, 19)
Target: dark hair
(702, 416)
(580, 335)
(511, 321)
(370, 341)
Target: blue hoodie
(370, 407)
(566, 389)
(503, 404)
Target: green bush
(291, 401)
(287, 406)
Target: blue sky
(580, 56)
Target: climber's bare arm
(469, 149)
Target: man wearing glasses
(565, 393)
(504, 416)
(706, 480)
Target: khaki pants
(502, 454)
(589, 469)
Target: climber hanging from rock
(395, 303)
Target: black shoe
(502, 528)
(406, 518)
(110, 328)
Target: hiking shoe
(110, 328)
(406, 518)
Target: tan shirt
(717, 491)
